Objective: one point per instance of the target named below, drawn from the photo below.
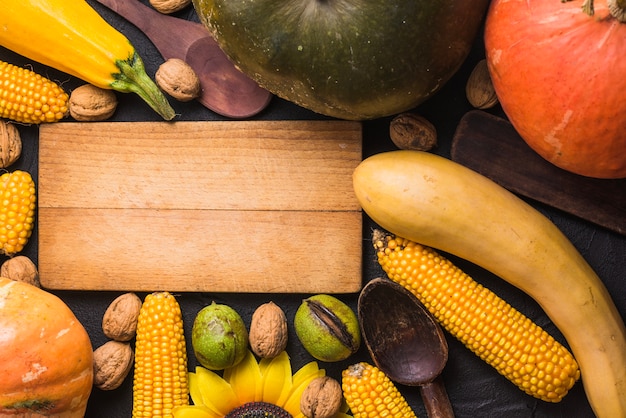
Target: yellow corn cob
(17, 211)
(515, 346)
(370, 394)
(161, 376)
(28, 97)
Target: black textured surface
(474, 388)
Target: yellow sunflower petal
(194, 389)
(245, 379)
(309, 369)
(217, 394)
(194, 411)
(293, 406)
(276, 377)
(301, 380)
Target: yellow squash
(439, 203)
(70, 36)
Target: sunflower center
(258, 410)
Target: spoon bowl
(405, 341)
(225, 90)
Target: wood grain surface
(490, 145)
(236, 206)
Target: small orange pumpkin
(559, 74)
(46, 366)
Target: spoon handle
(159, 27)
(436, 399)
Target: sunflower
(250, 389)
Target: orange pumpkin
(559, 74)
(46, 365)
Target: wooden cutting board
(235, 206)
(490, 145)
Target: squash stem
(588, 7)
(133, 78)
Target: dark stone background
(475, 389)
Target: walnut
(120, 319)
(268, 330)
(112, 362)
(91, 103)
(169, 6)
(178, 79)
(479, 88)
(21, 269)
(410, 131)
(10, 144)
(322, 398)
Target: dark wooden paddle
(405, 342)
(490, 145)
(225, 89)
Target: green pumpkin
(349, 59)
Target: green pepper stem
(133, 78)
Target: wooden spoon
(225, 89)
(405, 341)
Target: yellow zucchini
(439, 203)
(70, 36)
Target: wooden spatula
(490, 145)
(225, 89)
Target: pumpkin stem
(588, 7)
(618, 9)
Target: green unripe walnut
(327, 328)
(219, 337)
